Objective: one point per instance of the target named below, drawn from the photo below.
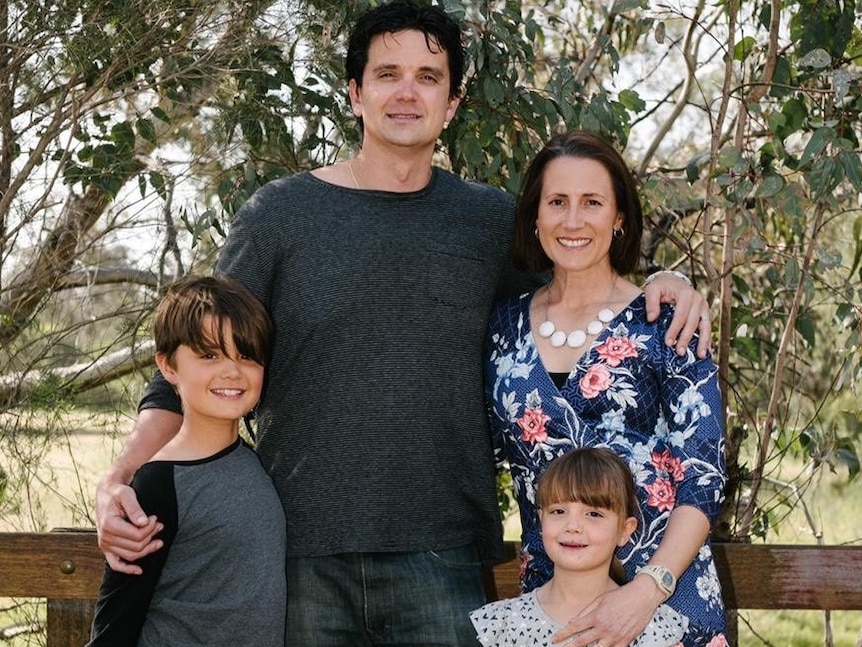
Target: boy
(219, 578)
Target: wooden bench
(65, 567)
(755, 576)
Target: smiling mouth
(573, 243)
(229, 393)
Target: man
(379, 273)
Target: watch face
(667, 579)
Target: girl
(587, 509)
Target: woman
(576, 364)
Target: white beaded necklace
(577, 337)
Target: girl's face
(579, 537)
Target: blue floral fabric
(631, 393)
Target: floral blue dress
(629, 392)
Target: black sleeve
(160, 394)
(124, 600)
(513, 282)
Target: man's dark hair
(402, 15)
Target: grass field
(52, 469)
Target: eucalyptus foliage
(160, 118)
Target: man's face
(404, 98)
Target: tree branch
(77, 378)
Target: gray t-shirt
(219, 580)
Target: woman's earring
(536, 232)
(619, 233)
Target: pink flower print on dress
(615, 349)
(661, 495)
(532, 425)
(526, 558)
(596, 380)
(669, 464)
(718, 641)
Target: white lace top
(521, 622)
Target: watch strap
(663, 577)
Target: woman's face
(577, 214)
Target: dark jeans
(370, 599)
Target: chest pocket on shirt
(458, 277)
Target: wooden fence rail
(65, 567)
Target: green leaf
(770, 186)
(841, 81)
(692, 169)
(157, 180)
(795, 113)
(123, 136)
(824, 176)
(252, 131)
(828, 258)
(161, 115)
(852, 169)
(791, 273)
(743, 48)
(86, 153)
(847, 456)
(816, 144)
(729, 156)
(844, 314)
(742, 189)
(493, 91)
(857, 236)
(621, 6)
(747, 349)
(146, 129)
(632, 101)
(805, 327)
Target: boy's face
(214, 386)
